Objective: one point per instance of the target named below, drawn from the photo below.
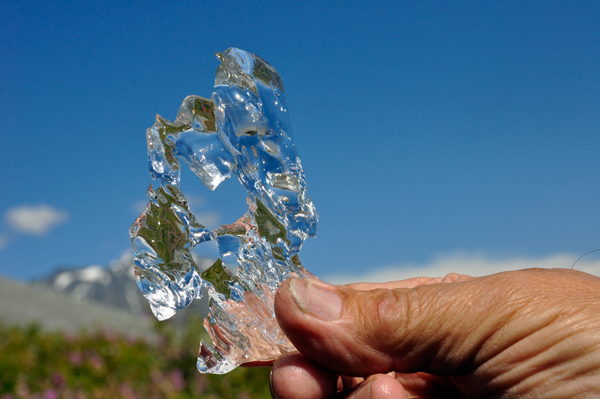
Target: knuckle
(455, 277)
(391, 317)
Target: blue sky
(427, 130)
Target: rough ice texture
(245, 130)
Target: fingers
(410, 283)
(441, 329)
(366, 332)
(294, 377)
(378, 386)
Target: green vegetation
(43, 365)
(219, 277)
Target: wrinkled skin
(525, 334)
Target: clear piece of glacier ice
(245, 130)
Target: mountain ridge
(92, 297)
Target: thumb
(441, 329)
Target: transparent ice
(245, 130)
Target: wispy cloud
(209, 219)
(464, 263)
(37, 220)
(139, 206)
(195, 200)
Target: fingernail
(363, 392)
(316, 299)
(271, 385)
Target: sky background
(463, 134)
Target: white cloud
(139, 206)
(195, 200)
(209, 219)
(36, 220)
(470, 264)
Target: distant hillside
(114, 286)
(24, 304)
(86, 298)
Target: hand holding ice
(244, 129)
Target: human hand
(530, 333)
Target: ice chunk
(245, 130)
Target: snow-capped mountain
(113, 285)
(22, 304)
